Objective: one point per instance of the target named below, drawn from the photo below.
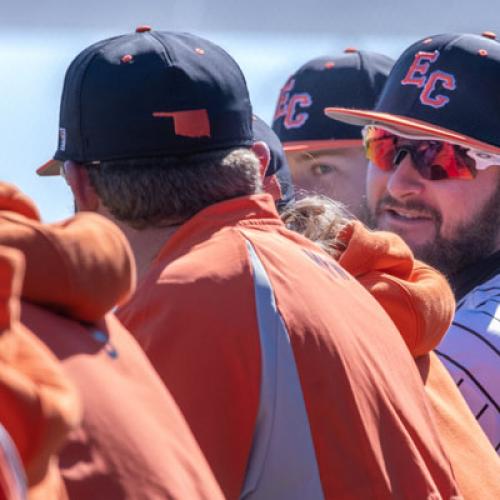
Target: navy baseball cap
(353, 79)
(278, 179)
(151, 94)
(442, 87)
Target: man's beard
(471, 242)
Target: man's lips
(405, 214)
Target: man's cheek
(376, 182)
(303, 181)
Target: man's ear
(77, 178)
(261, 149)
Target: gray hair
(157, 192)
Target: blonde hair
(319, 219)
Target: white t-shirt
(470, 351)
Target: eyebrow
(308, 155)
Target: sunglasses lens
(464, 166)
(380, 148)
(434, 160)
(440, 160)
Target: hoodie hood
(416, 296)
(38, 405)
(81, 267)
(13, 200)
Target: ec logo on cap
(288, 104)
(418, 75)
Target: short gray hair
(156, 192)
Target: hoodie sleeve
(417, 297)
(81, 267)
(38, 405)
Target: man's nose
(404, 181)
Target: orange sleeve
(12, 200)
(417, 297)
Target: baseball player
(327, 157)
(434, 178)
(258, 334)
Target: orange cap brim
(52, 167)
(291, 147)
(407, 126)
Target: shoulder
(478, 313)
(472, 344)
(484, 297)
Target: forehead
(318, 154)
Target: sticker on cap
(418, 75)
(62, 139)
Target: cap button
(144, 28)
(489, 34)
(350, 50)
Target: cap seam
(93, 54)
(455, 39)
(80, 101)
(168, 58)
(165, 53)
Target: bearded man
(434, 148)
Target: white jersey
(471, 352)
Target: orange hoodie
(38, 405)
(133, 442)
(421, 304)
(262, 339)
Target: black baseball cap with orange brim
(352, 79)
(443, 87)
(150, 94)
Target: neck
(146, 244)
